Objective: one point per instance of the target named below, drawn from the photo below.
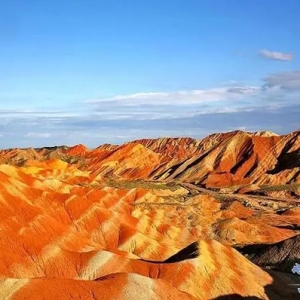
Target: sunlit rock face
(152, 219)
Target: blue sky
(94, 72)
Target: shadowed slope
(280, 256)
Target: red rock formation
(78, 150)
(150, 219)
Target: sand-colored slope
(76, 223)
(85, 233)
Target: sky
(95, 71)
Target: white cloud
(281, 56)
(189, 103)
(38, 135)
(179, 97)
(34, 113)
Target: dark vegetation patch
(124, 184)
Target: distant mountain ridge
(220, 159)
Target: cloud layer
(284, 80)
(273, 55)
(274, 105)
(179, 97)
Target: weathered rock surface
(152, 219)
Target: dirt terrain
(169, 218)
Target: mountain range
(167, 218)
